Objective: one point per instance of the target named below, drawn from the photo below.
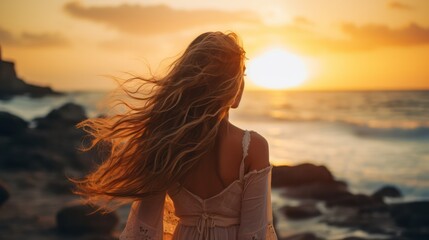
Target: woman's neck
(224, 124)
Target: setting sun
(277, 69)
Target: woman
(179, 143)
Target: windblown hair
(155, 144)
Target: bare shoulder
(258, 153)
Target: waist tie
(206, 221)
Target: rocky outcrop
(60, 185)
(299, 175)
(411, 215)
(80, 219)
(318, 191)
(308, 181)
(4, 194)
(302, 236)
(11, 84)
(355, 201)
(387, 191)
(341, 208)
(16, 158)
(64, 117)
(303, 211)
(52, 145)
(11, 125)
(401, 221)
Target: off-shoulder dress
(241, 211)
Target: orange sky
(354, 44)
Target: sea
(367, 138)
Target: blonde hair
(155, 144)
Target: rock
(411, 215)
(60, 186)
(355, 201)
(360, 238)
(303, 174)
(318, 191)
(11, 84)
(17, 158)
(51, 146)
(377, 223)
(66, 116)
(4, 194)
(69, 112)
(387, 191)
(354, 238)
(76, 220)
(416, 234)
(11, 125)
(301, 212)
(302, 236)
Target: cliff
(11, 84)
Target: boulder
(301, 212)
(302, 236)
(411, 215)
(355, 201)
(354, 238)
(81, 219)
(303, 174)
(60, 186)
(66, 116)
(377, 223)
(16, 158)
(51, 146)
(387, 191)
(11, 125)
(415, 234)
(318, 191)
(4, 194)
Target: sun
(277, 69)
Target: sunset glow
(277, 69)
(350, 45)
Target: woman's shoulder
(258, 142)
(258, 152)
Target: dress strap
(245, 145)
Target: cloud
(30, 39)
(399, 6)
(43, 39)
(155, 19)
(355, 37)
(377, 35)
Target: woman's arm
(256, 213)
(145, 220)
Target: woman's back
(239, 210)
(219, 167)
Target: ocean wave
(414, 133)
(372, 123)
(364, 127)
(29, 108)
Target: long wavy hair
(155, 143)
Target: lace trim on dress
(245, 146)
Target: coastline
(36, 160)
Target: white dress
(241, 211)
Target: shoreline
(35, 160)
